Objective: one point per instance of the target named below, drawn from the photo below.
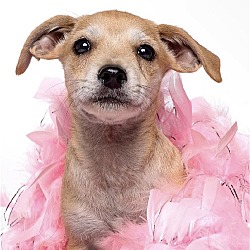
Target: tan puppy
(114, 63)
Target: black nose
(112, 77)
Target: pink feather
(210, 211)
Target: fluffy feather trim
(210, 211)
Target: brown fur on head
(113, 63)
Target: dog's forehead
(116, 23)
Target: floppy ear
(188, 54)
(43, 41)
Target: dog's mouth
(111, 108)
(110, 101)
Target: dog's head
(114, 61)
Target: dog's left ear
(188, 54)
(45, 40)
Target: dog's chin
(110, 112)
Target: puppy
(114, 63)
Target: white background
(220, 25)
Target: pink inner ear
(183, 53)
(186, 58)
(47, 43)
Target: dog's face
(113, 65)
(114, 61)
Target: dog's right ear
(43, 42)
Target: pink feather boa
(210, 211)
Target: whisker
(76, 90)
(145, 94)
(80, 89)
(65, 102)
(53, 86)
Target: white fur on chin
(109, 115)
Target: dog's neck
(119, 155)
(112, 147)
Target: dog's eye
(81, 46)
(146, 52)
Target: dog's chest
(108, 181)
(123, 194)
